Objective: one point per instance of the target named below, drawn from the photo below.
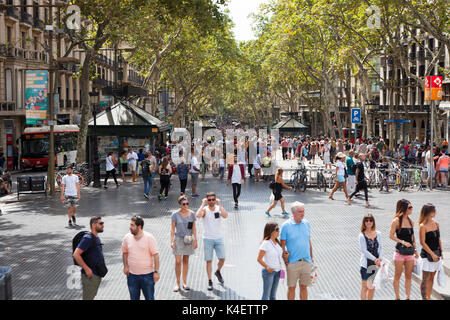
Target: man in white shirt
(212, 236)
(70, 194)
(236, 174)
(430, 165)
(132, 158)
(195, 171)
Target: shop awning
(444, 105)
(126, 114)
(290, 124)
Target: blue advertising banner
(36, 100)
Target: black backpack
(146, 166)
(76, 241)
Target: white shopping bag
(417, 266)
(272, 198)
(441, 280)
(382, 276)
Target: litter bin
(38, 183)
(5, 283)
(23, 183)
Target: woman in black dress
(278, 187)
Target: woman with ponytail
(402, 232)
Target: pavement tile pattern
(36, 241)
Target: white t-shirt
(211, 225)
(257, 162)
(427, 158)
(273, 256)
(109, 164)
(132, 157)
(327, 148)
(341, 168)
(236, 177)
(221, 162)
(194, 163)
(241, 156)
(70, 183)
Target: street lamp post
(95, 96)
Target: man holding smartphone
(211, 211)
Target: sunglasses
(211, 199)
(101, 223)
(410, 207)
(185, 204)
(277, 229)
(368, 220)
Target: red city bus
(35, 145)
(350, 133)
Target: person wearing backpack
(88, 254)
(146, 165)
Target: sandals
(185, 287)
(176, 289)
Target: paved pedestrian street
(37, 243)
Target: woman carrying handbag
(402, 232)
(431, 253)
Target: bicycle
(300, 179)
(321, 181)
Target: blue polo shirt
(297, 239)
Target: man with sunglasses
(93, 258)
(211, 211)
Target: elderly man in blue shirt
(297, 251)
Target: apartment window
(9, 84)
(413, 96)
(24, 41)
(9, 35)
(35, 10)
(20, 90)
(421, 71)
(46, 15)
(35, 43)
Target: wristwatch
(156, 271)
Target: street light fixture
(94, 97)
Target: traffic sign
(356, 115)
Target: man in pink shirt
(140, 260)
(285, 148)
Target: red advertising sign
(436, 88)
(427, 89)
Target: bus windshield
(35, 145)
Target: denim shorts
(210, 245)
(366, 275)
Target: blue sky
(239, 10)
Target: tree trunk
(85, 108)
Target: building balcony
(344, 109)
(12, 13)
(69, 104)
(61, 104)
(26, 18)
(7, 106)
(412, 55)
(38, 24)
(75, 103)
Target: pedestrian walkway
(36, 242)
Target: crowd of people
(285, 251)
